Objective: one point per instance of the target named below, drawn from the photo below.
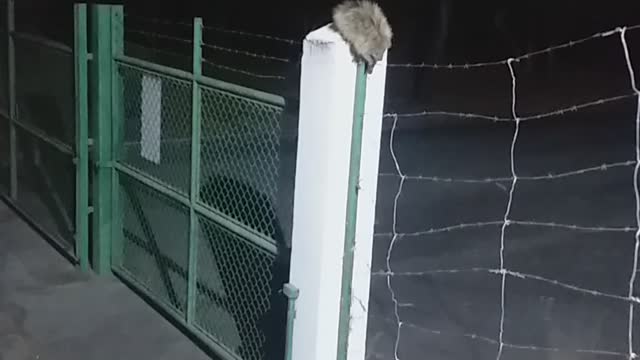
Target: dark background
(451, 306)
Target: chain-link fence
(187, 164)
(38, 121)
(238, 262)
(45, 125)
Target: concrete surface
(51, 311)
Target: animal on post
(364, 26)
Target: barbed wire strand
(210, 46)
(599, 168)
(514, 274)
(530, 223)
(210, 63)
(159, 36)
(636, 188)
(221, 30)
(245, 53)
(493, 118)
(603, 34)
(163, 51)
(243, 72)
(515, 346)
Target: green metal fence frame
(107, 113)
(78, 153)
(344, 324)
(95, 152)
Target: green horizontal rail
(256, 238)
(41, 135)
(202, 80)
(42, 41)
(201, 336)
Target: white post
(327, 94)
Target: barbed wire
(211, 63)
(494, 118)
(529, 223)
(394, 239)
(218, 29)
(507, 221)
(159, 36)
(636, 189)
(511, 273)
(246, 53)
(603, 167)
(255, 35)
(491, 341)
(243, 72)
(163, 51)
(603, 34)
(210, 46)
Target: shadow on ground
(50, 310)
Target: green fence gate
(163, 177)
(185, 185)
(44, 133)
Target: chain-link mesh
(157, 127)
(155, 245)
(241, 139)
(237, 279)
(45, 89)
(233, 314)
(239, 176)
(46, 186)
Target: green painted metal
(11, 61)
(82, 123)
(117, 120)
(44, 137)
(101, 73)
(196, 109)
(41, 41)
(203, 80)
(352, 212)
(292, 293)
(256, 238)
(196, 234)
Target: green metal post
(82, 142)
(101, 67)
(292, 293)
(117, 119)
(195, 169)
(11, 61)
(352, 212)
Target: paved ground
(49, 310)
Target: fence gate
(192, 163)
(44, 132)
